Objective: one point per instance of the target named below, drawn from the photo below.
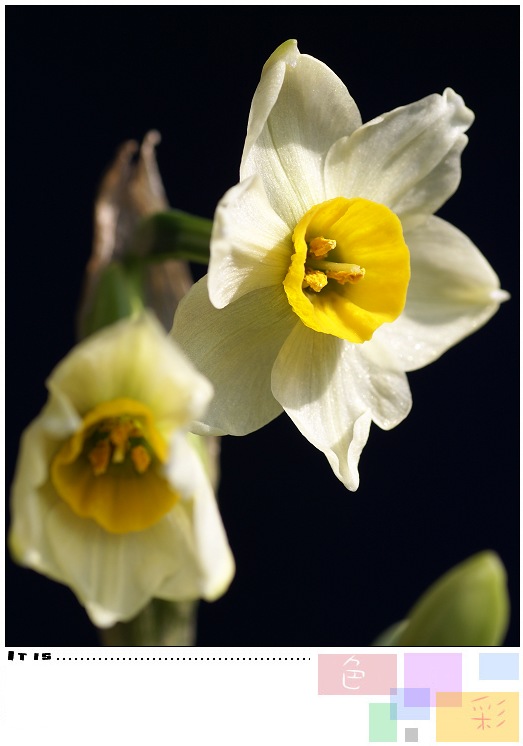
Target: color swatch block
(499, 666)
(439, 672)
(357, 673)
(484, 717)
(382, 728)
(411, 704)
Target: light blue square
(410, 704)
(499, 666)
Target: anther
(320, 247)
(314, 279)
(140, 458)
(99, 457)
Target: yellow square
(482, 718)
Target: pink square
(356, 673)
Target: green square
(382, 723)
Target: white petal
(332, 391)
(453, 291)
(235, 348)
(381, 384)
(114, 576)
(299, 109)
(59, 417)
(407, 159)
(305, 383)
(135, 359)
(251, 247)
(32, 498)
(212, 553)
(188, 457)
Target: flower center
(350, 270)
(113, 441)
(109, 470)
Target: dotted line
(181, 659)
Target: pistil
(339, 271)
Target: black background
(316, 565)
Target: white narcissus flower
(329, 276)
(110, 496)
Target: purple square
(439, 672)
(416, 697)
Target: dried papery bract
(131, 190)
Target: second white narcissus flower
(329, 276)
(110, 496)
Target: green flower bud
(391, 635)
(468, 606)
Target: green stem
(118, 294)
(173, 235)
(161, 623)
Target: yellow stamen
(119, 437)
(120, 433)
(314, 279)
(140, 458)
(99, 457)
(320, 247)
